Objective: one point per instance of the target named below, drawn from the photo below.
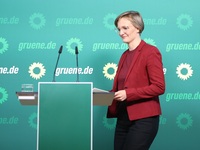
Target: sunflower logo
(32, 120)
(37, 66)
(3, 45)
(106, 71)
(37, 21)
(184, 121)
(4, 96)
(150, 41)
(184, 21)
(109, 18)
(180, 69)
(109, 125)
(74, 41)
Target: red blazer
(143, 84)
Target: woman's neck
(134, 44)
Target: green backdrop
(31, 33)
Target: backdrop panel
(31, 33)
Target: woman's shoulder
(149, 48)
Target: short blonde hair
(134, 17)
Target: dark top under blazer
(143, 84)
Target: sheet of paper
(102, 97)
(97, 90)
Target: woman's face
(127, 31)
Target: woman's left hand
(120, 95)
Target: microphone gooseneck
(77, 73)
(59, 52)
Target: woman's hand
(120, 95)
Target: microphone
(59, 52)
(76, 52)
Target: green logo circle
(37, 21)
(4, 95)
(108, 21)
(184, 21)
(184, 121)
(109, 125)
(31, 121)
(4, 46)
(74, 41)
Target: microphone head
(60, 50)
(76, 50)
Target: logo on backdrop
(109, 70)
(33, 68)
(74, 21)
(37, 21)
(184, 121)
(155, 21)
(184, 22)
(3, 95)
(182, 68)
(32, 120)
(150, 41)
(71, 43)
(3, 45)
(9, 20)
(183, 96)
(109, 123)
(108, 21)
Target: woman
(137, 85)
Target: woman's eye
(125, 28)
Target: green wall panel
(31, 33)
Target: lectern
(65, 112)
(65, 116)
